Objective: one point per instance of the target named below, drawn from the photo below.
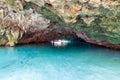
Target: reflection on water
(45, 62)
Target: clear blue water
(45, 62)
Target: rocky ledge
(41, 36)
(106, 44)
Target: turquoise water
(45, 62)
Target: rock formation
(95, 21)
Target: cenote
(45, 62)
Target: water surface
(45, 62)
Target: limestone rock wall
(98, 20)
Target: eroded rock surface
(95, 21)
